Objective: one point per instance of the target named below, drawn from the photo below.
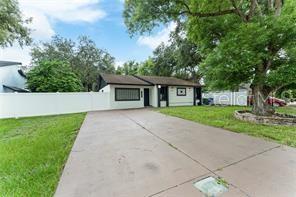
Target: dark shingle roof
(156, 80)
(146, 80)
(8, 63)
(123, 79)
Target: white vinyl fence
(228, 98)
(36, 104)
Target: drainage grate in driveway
(211, 187)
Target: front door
(146, 97)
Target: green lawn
(33, 152)
(223, 117)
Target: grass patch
(33, 152)
(287, 110)
(222, 117)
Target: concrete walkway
(134, 153)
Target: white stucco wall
(175, 100)
(105, 89)
(9, 76)
(126, 104)
(154, 98)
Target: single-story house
(12, 77)
(141, 91)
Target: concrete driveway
(134, 153)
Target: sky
(101, 20)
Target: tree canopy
(179, 58)
(53, 76)
(248, 41)
(128, 68)
(86, 60)
(13, 27)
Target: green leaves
(12, 26)
(264, 46)
(85, 59)
(53, 76)
(128, 68)
(239, 41)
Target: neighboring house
(139, 91)
(12, 78)
(227, 97)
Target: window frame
(184, 88)
(138, 93)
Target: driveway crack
(187, 155)
(246, 158)
(164, 190)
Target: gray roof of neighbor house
(8, 63)
(170, 81)
(123, 79)
(16, 89)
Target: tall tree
(89, 61)
(187, 55)
(146, 67)
(12, 26)
(248, 41)
(164, 60)
(53, 76)
(58, 48)
(128, 68)
(86, 60)
(180, 58)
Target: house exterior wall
(105, 89)
(9, 76)
(175, 100)
(126, 104)
(154, 96)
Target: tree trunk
(270, 4)
(278, 7)
(260, 105)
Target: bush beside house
(53, 76)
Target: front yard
(222, 117)
(33, 152)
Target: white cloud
(155, 40)
(66, 10)
(40, 26)
(119, 63)
(44, 14)
(16, 54)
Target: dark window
(163, 93)
(127, 94)
(181, 91)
